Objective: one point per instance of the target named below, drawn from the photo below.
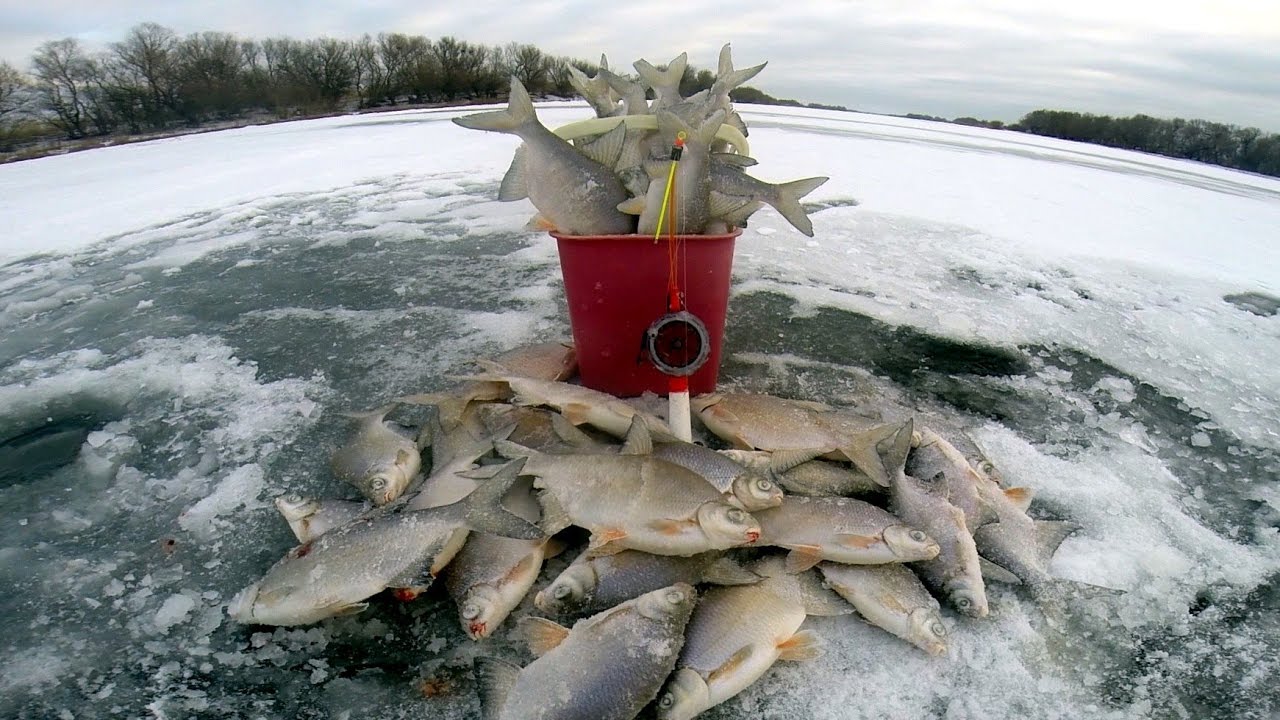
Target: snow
(184, 320)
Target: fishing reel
(678, 343)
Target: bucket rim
(735, 232)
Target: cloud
(988, 58)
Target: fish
(489, 577)
(936, 459)
(595, 90)
(799, 473)
(607, 667)
(744, 487)
(634, 501)
(956, 571)
(764, 422)
(691, 203)
(380, 459)
(336, 573)
(890, 597)
(785, 197)
(737, 633)
(665, 83)
(309, 518)
(575, 194)
(580, 405)
(538, 428)
(591, 584)
(553, 361)
(843, 530)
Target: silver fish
(573, 193)
(591, 584)
(595, 90)
(608, 667)
(380, 458)
(800, 474)
(747, 488)
(309, 518)
(665, 83)
(691, 208)
(956, 571)
(764, 422)
(336, 573)
(935, 459)
(841, 529)
(891, 597)
(737, 633)
(785, 197)
(634, 501)
(490, 576)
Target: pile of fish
(701, 565)
(613, 182)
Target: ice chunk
(240, 489)
(175, 609)
(1201, 439)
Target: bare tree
(145, 65)
(211, 69)
(12, 88)
(64, 74)
(528, 64)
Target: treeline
(1242, 148)
(155, 79)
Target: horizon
(995, 60)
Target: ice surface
(185, 319)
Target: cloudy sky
(996, 59)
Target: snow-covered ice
(185, 319)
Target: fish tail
(496, 678)
(518, 114)
(669, 78)
(484, 511)
(1061, 601)
(788, 202)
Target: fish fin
(854, 540)
(655, 78)
(728, 666)
(804, 645)
(787, 202)
(605, 541)
(877, 452)
(819, 599)
(1020, 497)
(705, 133)
(638, 440)
(569, 432)
(632, 206)
(671, 527)
(553, 548)
(275, 595)
(554, 517)
(802, 557)
(416, 577)
(515, 185)
(484, 512)
(540, 223)
(496, 678)
(722, 205)
(733, 160)
(1049, 535)
(607, 148)
(541, 635)
(783, 460)
(727, 81)
(576, 413)
(727, 571)
(518, 114)
(342, 609)
(513, 450)
(996, 573)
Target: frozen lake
(184, 319)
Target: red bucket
(616, 286)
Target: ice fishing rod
(678, 342)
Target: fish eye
(764, 485)
(736, 516)
(293, 499)
(378, 483)
(666, 701)
(963, 603)
(470, 611)
(918, 536)
(561, 592)
(938, 629)
(675, 597)
(987, 467)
